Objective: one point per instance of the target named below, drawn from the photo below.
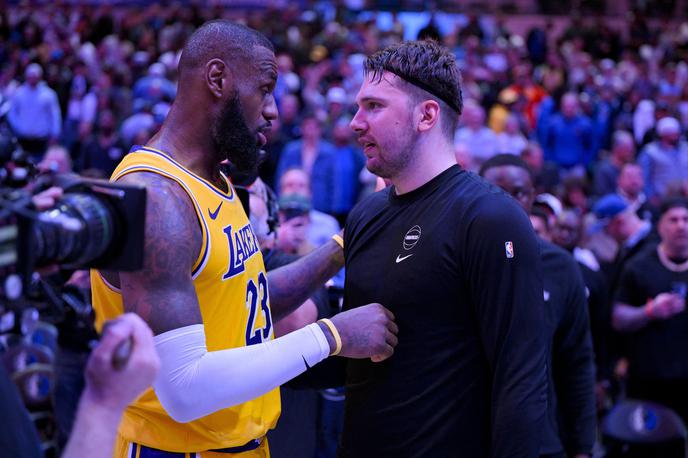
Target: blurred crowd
(599, 114)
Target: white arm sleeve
(193, 382)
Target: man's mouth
(262, 139)
(367, 146)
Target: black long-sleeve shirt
(571, 412)
(457, 262)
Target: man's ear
(217, 77)
(429, 115)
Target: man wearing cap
(34, 114)
(293, 224)
(665, 160)
(650, 307)
(620, 221)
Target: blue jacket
(323, 181)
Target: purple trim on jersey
(208, 185)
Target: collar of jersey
(148, 149)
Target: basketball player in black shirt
(570, 426)
(456, 260)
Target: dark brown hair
(429, 71)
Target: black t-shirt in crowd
(657, 351)
(457, 262)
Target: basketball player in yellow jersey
(203, 289)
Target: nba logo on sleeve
(509, 249)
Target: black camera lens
(77, 231)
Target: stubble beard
(395, 157)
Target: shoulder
(328, 149)
(323, 219)
(482, 201)
(291, 148)
(643, 259)
(367, 208)
(555, 257)
(169, 210)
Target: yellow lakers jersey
(231, 284)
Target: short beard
(233, 140)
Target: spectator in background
(575, 193)
(630, 186)
(480, 140)
(664, 161)
(540, 221)
(568, 137)
(142, 120)
(545, 174)
(104, 149)
(293, 224)
(273, 150)
(155, 87)
(632, 234)
(511, 140)
(349, 162)
(322, 226)
(81, 110)
(56, 160)
(649, 307)
(289, 109)
(317, 157)
(607, 171)
(643, 120)
(34, 113)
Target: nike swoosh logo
(305, 362)
(213, 215)
(401, 258)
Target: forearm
(94, 431)
(187, 385)
(292, 284)
(574, 384)
(626, 318)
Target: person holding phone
(650, 306)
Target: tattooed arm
(292, 284)
(162, 292)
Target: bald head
(220, 39)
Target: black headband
(425, 87)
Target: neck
(617, 161)
(310, 142)
(429, 160)
(179, 138)
(674, 252)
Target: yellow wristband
(335, 334)
(338, 238)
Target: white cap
(668, 125)
(33, 70)
(336, 95)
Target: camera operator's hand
(117, 388)
(47, 199)
(112, 383)
(367, 332)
